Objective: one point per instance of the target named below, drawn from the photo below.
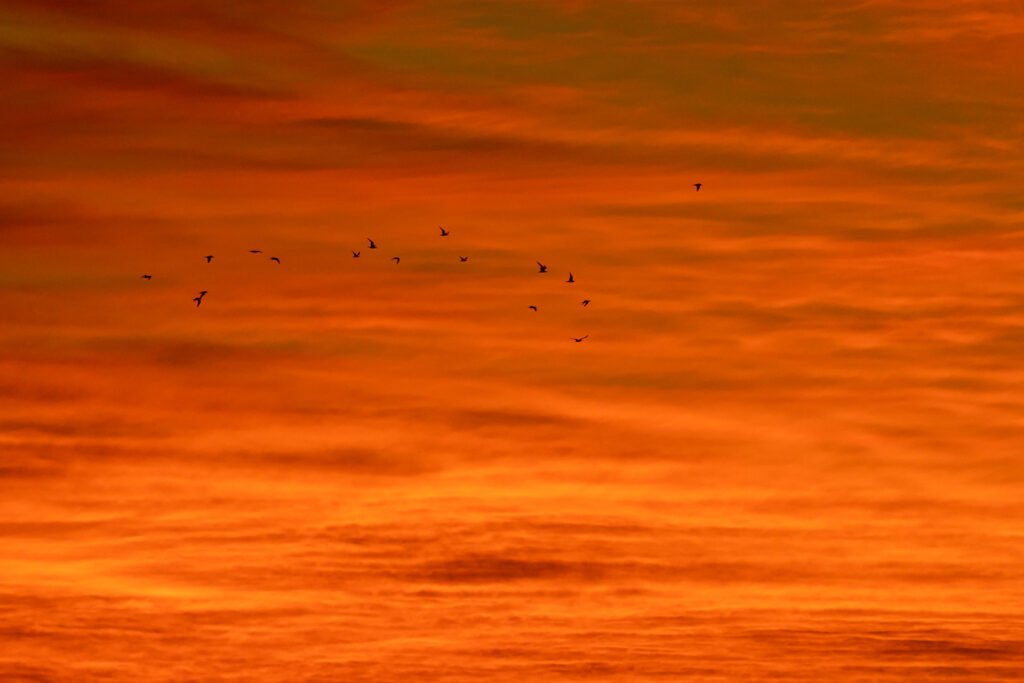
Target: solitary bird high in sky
(444, 233)
(373, 245)
(542, 267)
(208, 258)
(355, 254)
(463, 259)
(275, 260)
(697, 185)
(571, 279)
(585, 302)
(532, 308)
(580, 339)
(255, 251)
(396, 259)
(147, 277)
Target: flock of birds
(542, 268)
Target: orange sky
(789, 450)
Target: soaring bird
(444, 233)
(571, 279)
(209, 258)
(543, 268)
(396, 259)
(532, 308)
(147, 277)
(373, 245)
(463, 259)
(579, 339)
(275, 260)
(202, 294)
(355, 254)
(586, 302)
(198, 300)
(255, 251)
(697, 185)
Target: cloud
(793, 432)
(332, 461)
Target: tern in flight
(532, 308)
(396, 259)
(586, 302)
(444, 233)
(275, 260)
(208, 258)
(147, 277)
(255, 251)
(355, 254)
(697, 185)
(580, 339)
(373, 245)
(571, 279)
(463, 259)
(543, 268)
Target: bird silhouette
(202, 294)
(255, 251)
(208, 258)
(396, 259)
(444, 233)
(147, 277)
(532, 308)
(571, 279)
(373, 245)
(543, 268)
(198, 300)
(697, 185)
(463, 259)
(275, 260)
(586, 302)
(355, 254)
(580, 339)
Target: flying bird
(255, 251)
(202, 294)
(580, 339)
(571, 279)
(147, 277)
(444, 233)
(543, 268)
(396, 259)
(208, 258)
(532, 308)
(275, 260)
(697, 185)
(355, 254)
(463, 259)
(373, 245)
(198, 300)
(586, 302)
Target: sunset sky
(790, 449)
